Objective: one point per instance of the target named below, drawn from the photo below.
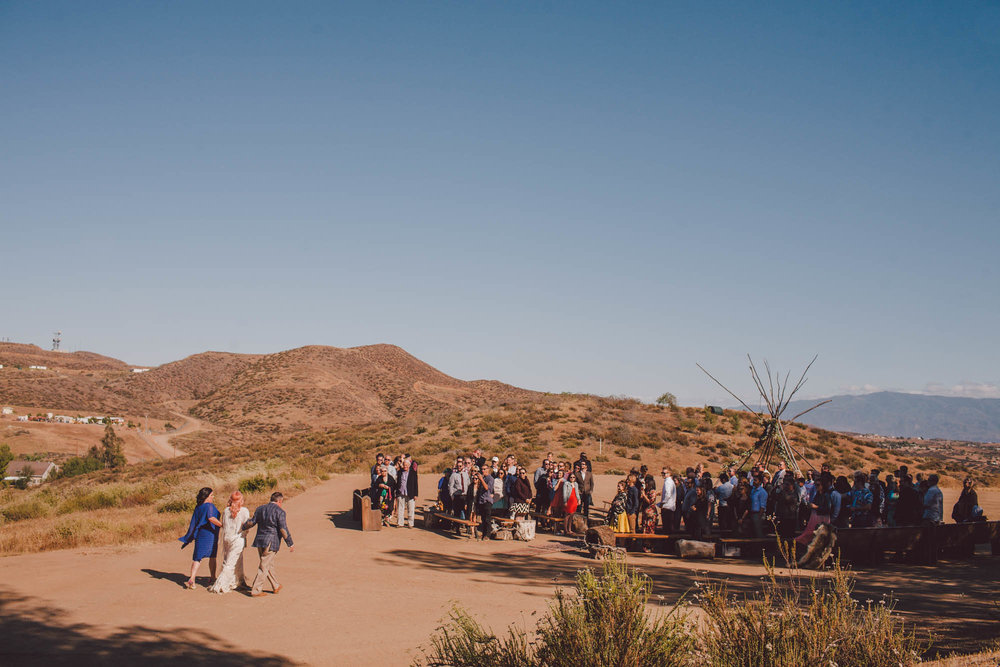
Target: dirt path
(351, 597)
(160, 442)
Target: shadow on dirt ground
(35, 633)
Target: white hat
(496, 459)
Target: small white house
(38, 471)
(22, 418)
(8, 411)
(39, 368)
(134, 370)
(64, 419)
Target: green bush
(84, 501)
(257, 484)
(28, 509)
(179, 505)
(80, 465)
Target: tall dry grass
(604, 620)
(83, 512)
(803, 618)
(799, 620)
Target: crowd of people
(748, 503)
(477, 489)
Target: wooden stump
(576, 524)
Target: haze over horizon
(568, 197)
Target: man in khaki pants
(271, 529)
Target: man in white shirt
(668, 501)
(458, 487)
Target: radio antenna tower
(56, 340)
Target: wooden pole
(829, 400)
(727, 390)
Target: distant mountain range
(907, 415)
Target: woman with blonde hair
(233, 541)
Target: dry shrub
(101, 527)
(82, 500)
(603, 621)
(803, 620)
(28, 509)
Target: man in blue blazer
(271, 529)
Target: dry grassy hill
(20, 354)
(191, 378)
(72, 382)
(320, 387)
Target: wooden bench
(919, 544)
(551, 522)
(661, 543)
(643, 536)
(371, 519)
(459, 523)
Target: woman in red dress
(556, 482)
(571, 494)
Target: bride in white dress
(232, 542)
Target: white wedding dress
(232, 541)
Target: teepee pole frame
(777, 397)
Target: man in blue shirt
(933, 502)
(860, 502)
(543, 471)
(810, 485)
(758, 503)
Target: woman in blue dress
(203, 531)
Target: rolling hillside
(322, 387)
(908, 415)
(71, 382)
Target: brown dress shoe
(278, 589)
(258, 595)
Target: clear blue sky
(563, 196)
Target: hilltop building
(39, 471)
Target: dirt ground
(351, 597)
